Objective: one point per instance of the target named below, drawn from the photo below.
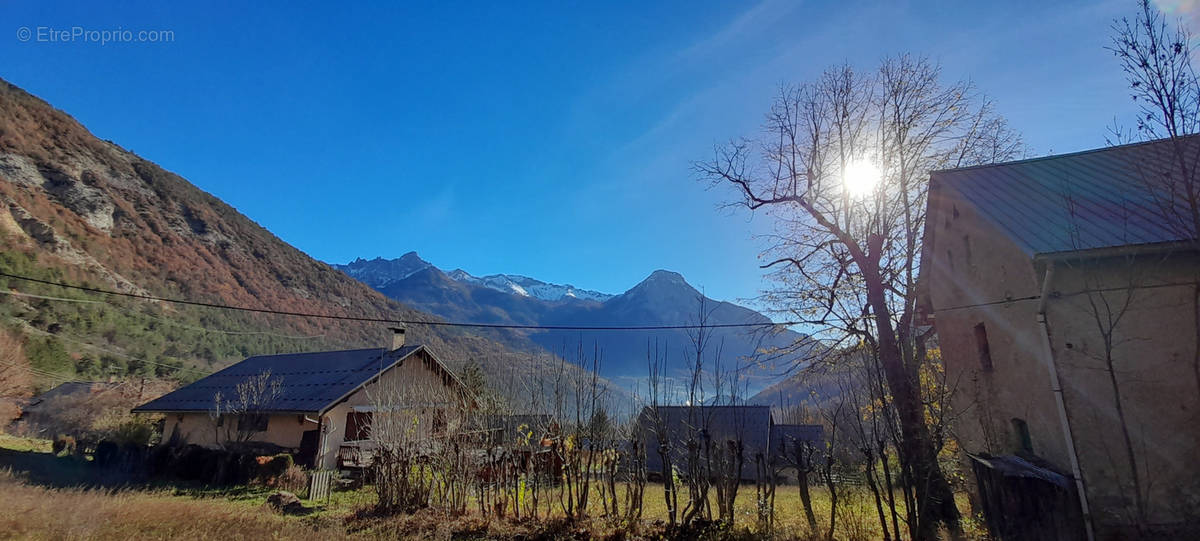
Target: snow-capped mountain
(380, 273)
(663, 298)
(529, 287)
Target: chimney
(397, 337)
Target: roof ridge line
(1064, 155)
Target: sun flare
(860, 178)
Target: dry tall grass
(34, 512)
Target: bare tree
(843, 168)
(1156, 57)
(655, 422)
(801, 456)
(586, 435)
(237, 419)
(697, 438)
(1110, 290)
(419, 446)
(833, 414)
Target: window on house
(252, 422)
(358, 426)
(982, 346)
(1023, 440)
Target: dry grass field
(35, 512)
(49, 497)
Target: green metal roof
(1104, 198)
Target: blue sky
(541, 139)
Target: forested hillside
(80, 210)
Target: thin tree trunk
(933, 494)
(874, 486)
(833, 499)
(891, 494)
(806, 500)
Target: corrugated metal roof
(309, 382)
(1015, 466)
(1116, 194)
(796, 433)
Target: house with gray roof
(319, 405)
(751, 428)
(787, 440)
(1065, 292)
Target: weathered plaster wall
(1153, 328)
(977, 275)
(973, 268)
(200, 429)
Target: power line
(35, 371)
(60, 336)
(1059, 295)
(131, 357)
(39, 372)
(399, 321)
(16, 293)
(44, 297)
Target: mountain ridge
(78, 209)
(379, 273)
(662, 298)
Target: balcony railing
(356, 454)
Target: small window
(358, 426)
(252, 422)
(1021, 431)
(984, 349)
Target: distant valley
(662, 298)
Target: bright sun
(860, 178)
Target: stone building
(1064, 292)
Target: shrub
(63, 445)
(135, 431)
(107, 453)
(280, 471)
(293, 479)
(271, 467)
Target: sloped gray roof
(1015, 466)
(1096, 199)
(310, 382)
(751, 425)
(786, 434)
